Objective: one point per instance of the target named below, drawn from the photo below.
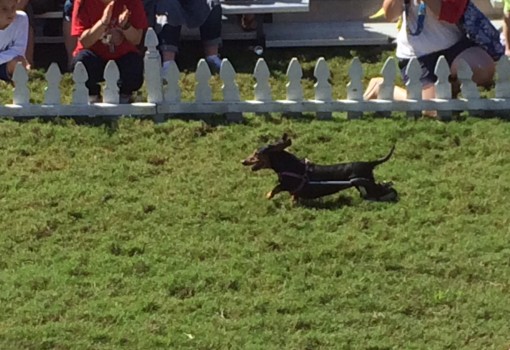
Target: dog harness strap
(303, 178)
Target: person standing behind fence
(13, 38)
(109, 30)
(429, 30)
(168, 16)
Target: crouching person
(109, 30)
(13, 38)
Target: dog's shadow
(326, 204)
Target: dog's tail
(385, 158)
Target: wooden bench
(229, 7)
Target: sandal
(248, 23)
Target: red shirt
(452, 10)
(87, 12)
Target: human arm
(131, 34)
(393, 9)
(93, 34)
(19, 41)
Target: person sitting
(429, 31)
(109, 30)
(13, 38)
(168, 16)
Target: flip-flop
(248, 23)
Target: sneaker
(94, 99)
(214, 63)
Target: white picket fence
(164, 95)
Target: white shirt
(436, 35)
(14, 38)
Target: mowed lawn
(155, 236)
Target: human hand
(116, 36)
(107, 13)
(124, 17)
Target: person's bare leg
(428, 93)
(480, 62)
(374, 86)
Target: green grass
(150, 236)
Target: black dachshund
(303, 179)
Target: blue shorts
(3, 73)
(428, 62)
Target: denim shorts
(428, 62)
(3, 73)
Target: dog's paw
(269, 195)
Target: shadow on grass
(326, 204)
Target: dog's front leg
(277, 189)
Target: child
(109, 30)
(13, 38)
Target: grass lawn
(148, 236)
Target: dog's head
(261, 158)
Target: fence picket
(389, 74)
(20, 79)
(294, 75)
(468, 88)
(111, 77)
(262, 88)
(171, 90)
(323, 90)
(53, 77)
(355, 86)
(152, 68)
(413, 85)
(230, 89)
(80, 77)
(443, 86)
(203, 89)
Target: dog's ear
(283, 143)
